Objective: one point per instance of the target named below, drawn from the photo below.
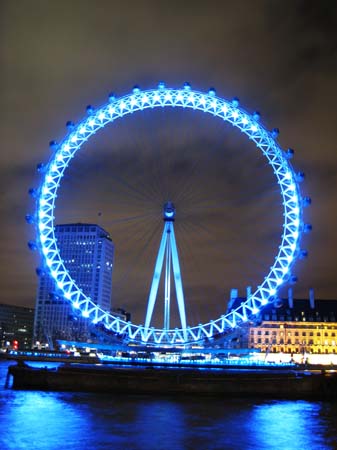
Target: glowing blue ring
(186, 98)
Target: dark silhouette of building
(16, 326)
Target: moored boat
(151, 379)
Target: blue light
(145, 99)
(256, 116)
(191, 98)
(185, 98)
(202, 101)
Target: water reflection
(41, 420)
(292, 424)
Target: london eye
(167, 262)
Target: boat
(51, 356)
(152, 379)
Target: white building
(87, 252)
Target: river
(56, 420)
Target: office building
(16, 327)
(87, 252)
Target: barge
(151, 379)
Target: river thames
(56, 420)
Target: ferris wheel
(168, 259)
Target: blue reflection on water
(42, 420)
(292, 424)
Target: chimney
(290, 298)
(312, 298)
(248, 292)
(233, 296)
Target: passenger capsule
(275, 132)
(300, 176)
(293, 279)
(235, 102)
(90, 110)
(32, 245)
(307, 228)
(53, 145)
(32, 192)
(289, 153)
(306, 201)
(136, 89)
(256, 116)
(40, 167)
(303, 254)
(39, 272)
(112, 97)
(70, 125)
(211, 92)
(29, 219)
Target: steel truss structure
(162, 97)
(167, 251)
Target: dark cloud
(277, 56)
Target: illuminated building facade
(16, 326)
(87, 252)
(297, 326)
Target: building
(16, 326)
(297, 326)
(293, 326)
(87, 252)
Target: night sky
(278, 57)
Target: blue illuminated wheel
(228, 111)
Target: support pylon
(167, 252)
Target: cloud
(279, 57)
